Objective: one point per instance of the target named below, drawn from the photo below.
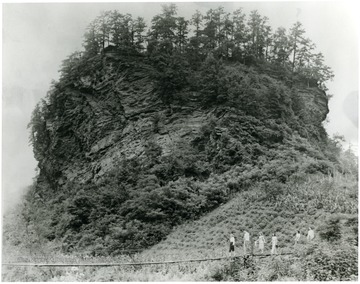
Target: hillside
(317, 201)
(106, 149)
(170, 140)
(301, 204)
(332, 212)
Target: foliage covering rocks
(133, 142)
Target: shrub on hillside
(272, 189)
(236, 270)
(326, 262)
(330, 231)
(277, 269)
(353, 223)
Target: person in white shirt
(274, 242)
(261, 242)
(246, 242)
(232, 245)
(310, 235)
(297, 237)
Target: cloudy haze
(37, 37)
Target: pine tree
(103, 24)
(181, 33)
(196, 20)
(91, 44)
(228, 32)
(162, 35)
(254, 24)
(281, 47)
(209, 31)
(319, 71)
(210, 79)
(194, 47)
(116, 28)
(267, 38)
(138, 30)
(239, 33)
(296, 39)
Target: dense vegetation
(263, 96)
(332, 211)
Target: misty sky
(37, 37)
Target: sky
(37, 37)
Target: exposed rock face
(112, 113)
(316, 104)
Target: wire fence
(141, 263)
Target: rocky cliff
(128, 150)
(111, 113)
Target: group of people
(260, 242)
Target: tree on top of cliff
(226, 35)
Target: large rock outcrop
(111, 113)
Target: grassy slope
(251, 211)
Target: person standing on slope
(297, 237)
(310, 235)
(232, 245)
(274, 242)
(246, 242)
(261, 242)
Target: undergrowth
(332, 255)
